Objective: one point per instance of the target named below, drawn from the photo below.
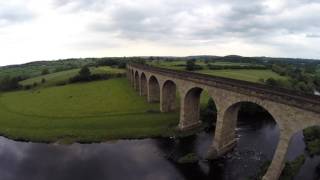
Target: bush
(8, 83)
(271, 82)
(86, 76)
(84, 72)
(83, 75)
(27, 87)
(292, 168)
(191, 65)
(312, 140)
(93, 77)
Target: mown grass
(85, 112)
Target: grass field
(58, 77)
(177, 65)
(252, 75)
(84, 112)
(244, 74)
(94, 111)
(35, 68)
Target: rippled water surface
(149, 158)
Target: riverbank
(85, 112)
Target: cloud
(206, 20)
(117, 28)
(79, 5)
(313, 35)
(12, 14)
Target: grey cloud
(134, 22)
(313, 35)
(144, 22)
(254, 22)
(174, 21)
(11, 15)
(59, 3)
(79, 5)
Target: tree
(45, 71)
(271, 82)
(7, 83)
(85, 72)
(208, 113)
(191, 65)
(43, 80)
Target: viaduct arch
(292, 111)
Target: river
(147, 159)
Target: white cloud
(51, 29)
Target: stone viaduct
(292, 111)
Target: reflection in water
(140, 159)
(137, 159)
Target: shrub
(84, 73)
(94, 77)
(8, 83)
(292, 168)
(312, 140)
(271, 82)
(27, 87)
(191, 65)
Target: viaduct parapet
(291, 110)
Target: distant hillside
(33, 69)
(237, 58)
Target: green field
(252, 75)
(94, 111)
(85, 112)
(177, 65)
(58, 77)
(244, 74)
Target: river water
(149, 159)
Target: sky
(33, 30)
